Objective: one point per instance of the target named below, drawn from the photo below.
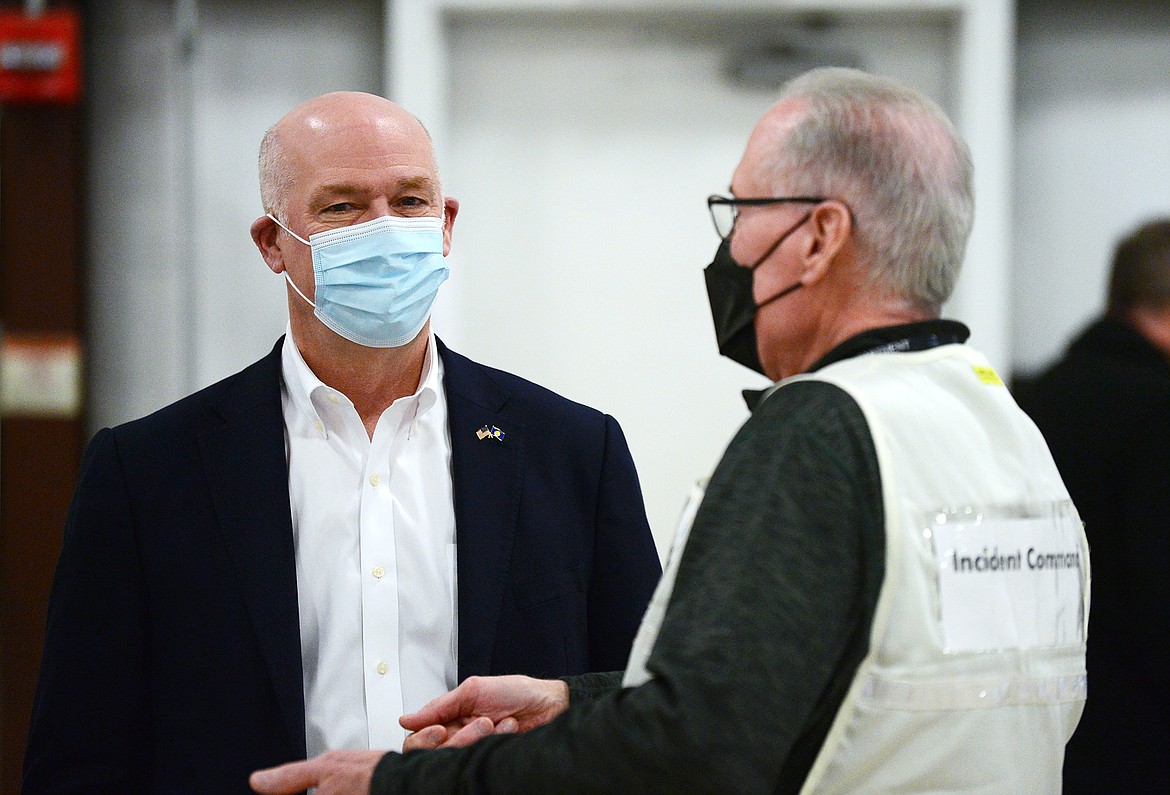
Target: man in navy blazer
(175, 645)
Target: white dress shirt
(374, 529)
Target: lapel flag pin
(491, 432)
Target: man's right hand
(482, 706)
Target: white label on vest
(1010, 583)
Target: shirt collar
(306, 389)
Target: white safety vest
(975, 675)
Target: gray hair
(892, 155)
(275, 175)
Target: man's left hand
(332, 773)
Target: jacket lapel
(486, 480)
(246, 468)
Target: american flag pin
(490, 432)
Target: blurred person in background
(1104, 408)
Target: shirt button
(379, 572)
(383, 668)
(373, 480)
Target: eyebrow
(419, 182)
(335, 189)
(328, 192)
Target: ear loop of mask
(768, 253)
(288, 278)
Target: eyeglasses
(725, 209)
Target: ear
(831, 227)
(264, 231)
(1153, 323)
(450, 210)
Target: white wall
(583, 160)
(1092, 154)
(178, 297)
(594, 288)
(132, 213)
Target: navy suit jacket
(172, 659)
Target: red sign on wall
(40, 57)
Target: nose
(734, 245)
(378, 208)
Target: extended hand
(332, 773)
(482, 706)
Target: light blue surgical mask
(376, 281)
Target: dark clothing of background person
(1104, 409)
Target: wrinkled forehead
(319, 136)
(377, 151)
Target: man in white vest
(885, 586)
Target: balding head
(893, 156)
(330, 123)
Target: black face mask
(733, 307)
